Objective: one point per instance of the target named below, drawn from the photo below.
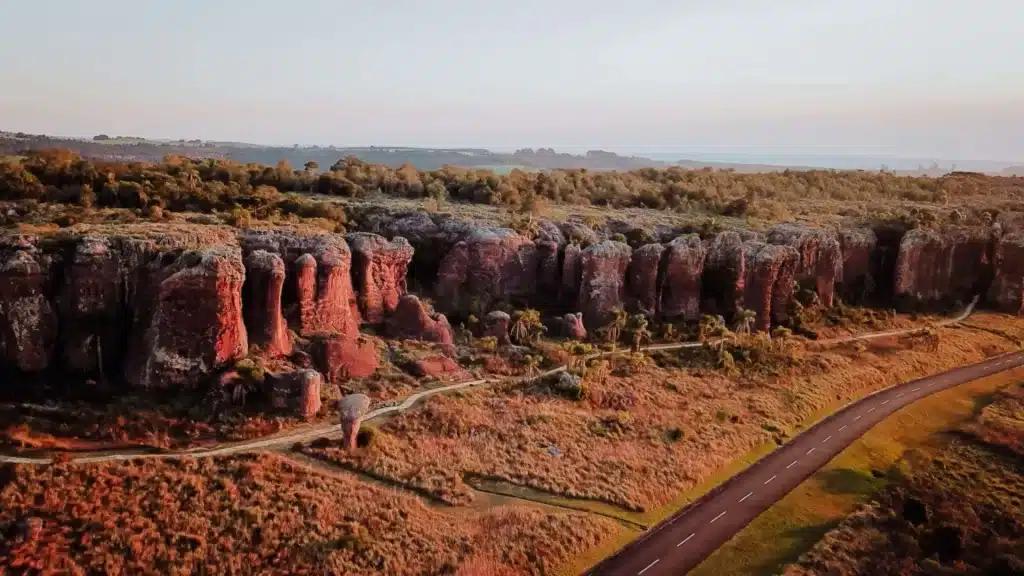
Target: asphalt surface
(680, 543)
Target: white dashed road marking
(915, 389)
(811, 450)
(717, 517)
(884, 403)
(872, 409)
(685, 540)
(749, 494)
(843, 427)
(791, 464)
(770, 479)
(826, 439)
(900, 394)
(857, 418)
(649, 566)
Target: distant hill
(130, 149)
(1014, 171)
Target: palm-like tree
(745, 321)
(638, 331)
(614, 328)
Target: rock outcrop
(490, 267)
(684, 270)
(944, 266)
(572, 325)
(572, 260)
(602, 281)
(310, 383)
(858, 246)
(769, 280)
(725, 273)
(496, 325)
(344, 356)
(28, 321)
(264, 319)
(90, 303)
(643, 288)
(820, 257)
(1007, 291)
(197, 324)
(379, 271)
(352, 407)
(412, 321)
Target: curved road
(683, 541)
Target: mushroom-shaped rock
(343, 356)
(492, 265)
(197, 325)
(642, 275)
(496, 325)
(820, 257)
(92, 311)
(264, 282)
(1007, 291)
(379, 273)
(28, 322)
(572, 324)
(725, 273)
(684, 269)
(412, 321)
(602, 284)
(352, 407)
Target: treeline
(183, 184)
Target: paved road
(683, 541)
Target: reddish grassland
(957, 511)
(642, 434)
(260, 514)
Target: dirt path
(320, 430)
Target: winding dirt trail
(320, 430)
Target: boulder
(490, 267)
(297, 392)
(310, 383)
(353, 408)
(725, 273)
(496, 325)
(642, 287)
(1007, 290)
(28, 321)
(196, 326)
(684, 270)
(858, 247)
(264, 320)
(602, 283)
(344, 356)
(379, 273)
(412, 321)
(92, 309)
(573, 326)
(438, 367)
(820, 257)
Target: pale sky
(930, 78)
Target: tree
(613, 329)
(311, 166)
(745, 321)
(100, 137)
(526, 327)
(638, 331)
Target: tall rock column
(379, 273)
(263, 286)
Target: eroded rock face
(684, 270)
(820, 257)
(326, 301)
(197, 325)
(765, 288)
(439, 367)
(411, 321)
(602, 283)
(379, 270)
(264, 283)
(28, 321)
(725, 273)
(858, 247)
(92, 312)
(490, 267)
(310, 383)
(935, 266)
(642, 279)
(343, 356)
(572, 259)
(550, 243)
(1007, 291)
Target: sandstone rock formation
(310, 383)
(724, 274)
(91, 308)
(602, 282)
(684, 270)
(572, 324)
(858, 246)
(264, 283)
(572, 259)
(344, 356)
(379, 271)
(439, 367)
(820, 258)
(490, 267)
(642, 279)
(550, 244)
(411, 321)
(197, 324)
(1007, 291)
(769, 280)
(352, 407)
(944, 266)
(28, 322)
